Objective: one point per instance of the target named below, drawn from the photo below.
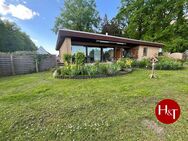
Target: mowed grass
(39, 107)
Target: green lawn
(39, 107)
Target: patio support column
(87, 54)
(101, 54)
(65, 48)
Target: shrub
(74, 71)
(103, 69)
(125, 63)
(80, 58)
(128, 62)
(67, 58)
(166, 63)
(121, 64)
(142, 63)
(113, 69)
(91, 70)
(88, 70)
(66, 71)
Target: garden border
(97, 76)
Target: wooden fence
(13, 64)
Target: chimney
(106, 33)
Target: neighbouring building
(99, 47)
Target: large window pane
(94, 54)
(76, 49)
(108, 54)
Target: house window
(94, 54)
(76, 49)
(145, 51)
(108, 54)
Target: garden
(78, 69)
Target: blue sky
(36, 17)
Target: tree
(78, 15)
(152, 20)
(13, 39)
(111, 27)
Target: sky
(37, 17)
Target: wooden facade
(68, 38)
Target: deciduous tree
(78, 15)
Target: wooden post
(12, 64)
(36, 65)
(153, 61)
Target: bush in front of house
(124, 63)
(144, 63)
(87, 70)
(67, 58)
(80, 58)
(166, 63)
(91, 70)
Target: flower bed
(96, 76)
(90, 71)
(80, 70)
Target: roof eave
(125, 40)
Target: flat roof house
(99, 47)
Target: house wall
(151, 51)
(65, 48)
(118, 53)
(134, 52)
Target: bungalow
(99, 47)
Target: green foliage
(125, 63)
(166, 63)
(111, 27)
(152, 20)
(79, 15)
(144, 63)
(103, 69)
(80, 58)
(91, 70)
(13, 39)
(67, 58)
(88, 70)
(65, 71)
(177, 45)
(113, 69)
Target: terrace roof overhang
(100, 40)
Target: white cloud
(19, 11)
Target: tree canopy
(156, 20)
(112, 27)
(13, 39)
(78, 15)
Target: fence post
(36, 64)
(12, 64)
